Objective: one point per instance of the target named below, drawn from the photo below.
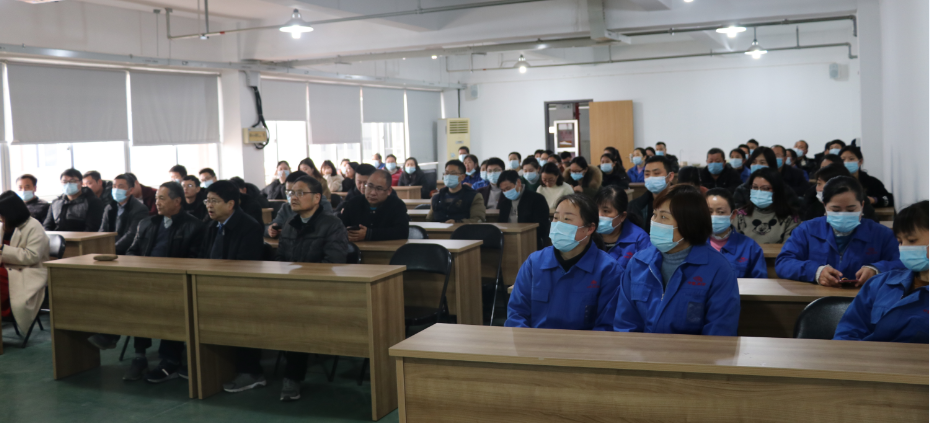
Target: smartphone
(353, 228)
(276, 226)
(848, 283)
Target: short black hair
(93, 174)
(565, 155)
(519, 157)
(495, 161)
(689, 208)
(380, 157)
(648, 149)
(294, 176)
(840, 142)
(549, 152)
(315, 186)
(226, 190)
(613, 195)
(829, 172)
(13, 209)
(912, 218)
(641, 151)
(580, 161)
(722, 193)
(71, 173)
(29, 177)
(806, 145)
(181, 170)
(131, 177)
(740, 151)
(742, 146)
(464, 147)
(509, 175)
(539, 151)
(553, 169)
(390, 156)
(663, 160)
(458, 164)
(132, 181)
(207, 170)
(192, 178)
(716, 150)
(174, 189)
(852, 149)
(783, 149)
(238, 182)
(530, 161)
(840, 185)
(366, 169)
(689, 175)
(833, 158)
(752, 140)
(661, 143)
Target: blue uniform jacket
(636, 175)
(745, 256)
(744, 175)
(702, 297)
(813, 244)
(880, 314)
(632, 239)
(545, 296)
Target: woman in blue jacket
(569, 285)
(638, 158)
(743, 253)
(622, 237)
(840, 245)
(680, 284)
(892, 307)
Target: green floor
(29, 394)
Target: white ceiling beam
(651, 5)
(597, 22)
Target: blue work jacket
(813, 244)
(881, 312)
(744, 175)
(636, 175)
(545, 296)
(744, 255)
(632, 239)
(702, 297)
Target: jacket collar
(863, 232)
(586, 263)
(627, 232)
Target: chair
(354, 255)
(269, 253)
(422, 207)
(492, 240)
(56, 250)
(416, 232)
(426, 258)
(335, 199)
(819, 319)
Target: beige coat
(23, 260)
(334, 182)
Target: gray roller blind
(174, 108)
(2, 104)
(61, 104)
(382, 105)
(283, 100)
(335, 114)
(423, 110)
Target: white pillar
(236, 157)
(870, 86)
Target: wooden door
(611, 126)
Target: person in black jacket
(831, 147)
(26, 186)
(614, 173)
(170, 233)
(659, 175)
(362, 173)
(193, 198)
(77, 210)
(235, 235)
(803, 162)
(792, 176)
(412, 176)
(377, 216)
(812, 206)
(521, 205)
(123, 214)
(348, 181)
(249, 203)
(718, 173)
(275, 190)
(874, 188)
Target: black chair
(425, 258)
(416, 232)
(269, 253)
(819, 319)
(492, 241)
(354, 255)
(335, 199)
(421, 207)
(56, 250)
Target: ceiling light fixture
(521, 64)
(755, 50)
(296, 25)
(688, 1)
(435, 57)
(731, 31)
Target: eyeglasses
(376, 188)
(189, 186)
(209, 201)
(298, 194)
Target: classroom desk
(334, 309)
(342, 194)
(639, 188)
(888, 224)
(413, 203)
(80, 243)
(134, 296)
(408, 193)
(464, 291)
(884, 213)
(491, 215)
(460, 373)
(519, 243)
(770, 307)
(770, 252)
(266, 215)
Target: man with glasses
(123, 214)
(362, 173)
(311, 236)
(77, 210)
(193, 198)
(235, 235)
(456, 203)
(376, 216)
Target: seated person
(307, 166)
(207, 177)
(249, 204)
(830, 159)
(143, 193)
(613, 172)
(840, 245)
(662, 150)
(100, 188)
(622, 237)
(692, 176)
(584, 179)
(463, 152)
(763, 157)
(333, 178)
(813, 198)
(792, 159)
(123, 214)
(571, 284)
(77, 210)
(793, 177)
(718, 173)
(348, 174)
(743, 253)
(553, 186)
(659, 176)
(412, 176)
(514, 160)
(193, 197)
(531, 174)
(390, 165)
(26, 189)
(275, 190)
(456, 203)
(697, 293)
(832, 148)
(566, 160)
(473, 177)
(638, 158)
(874, 189)
(177, 173)
(521, 205)
(769, 217)
(232, 234)
(738, 163)
(491, 194)
(376, 216)
(362, 173)
(23, 277)
(285, 213)
(892, 307)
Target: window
(47, 161)
(287, 141)
(335, 153)
(385, 138)
(151, 163)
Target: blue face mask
(280, 174)
(663, 236)
(492, 177)
(26, 195)
(753, 168)
(531, 177)
(470, 172)
(607, 167)
(752, 151)
(660, 153)
(788, 161)
(852, 167)
(843, 222)
(736, 163)
(118, 194)
(779, 161)
(70, 188)
(390, 166)
(577, 176)
(605, 225)
(637, 160)
(720, 223)
(563, 236)
(835, 151)
(914, 257)
(451, 181)
(541, 162)
(514, 164)
(484, 175)
(715, 168)
(655, 184)
(799, 151)
(462, 157)
(512, 195)
(206, 184)
(762, 199)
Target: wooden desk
(639, 188)
(519, 243)
(413, 203)
(134, 296)
(80, 243)
(335, 309)
(491, 215)
(408, 193)
(770, 252)
(464, 290)
(266, 215)
(460, 373)
(770, 307)
(342, 194)
(888, 224)
(282, 201)
(884, 213)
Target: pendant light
(755, 50)
(521, 64)
(296, 25)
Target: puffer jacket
(124, 225)
(186, 234)
(84, 214)
(323, 239)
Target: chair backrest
(819, 319)
(56, 246)
(334, 200)
(421, 207)
(427, 258)
(354, 255)
(492, 242)
(416, 232)
(269, 253)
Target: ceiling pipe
(597, 21)
(672, 31)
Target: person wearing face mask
(791, 159)
(177, 173)
(474, 177)
(743, 253)
(331, 176)
(275, 190)
(613, 172)
(348, 181)
(831, 147)
(813, 198)
(763, 158)
(738, 162)
(802, 161)
(584, 179)
(662, 150)
(77, 210)
(531, 180)
(513, 162)
(768, 218)
(207, 177)
(622, 237)
(26, 189)
(571, 284)
(793, 177)
(519, 204)
(679, 284)
(892, 307)
(638, 158)
(123, 214)
(553, 186)
(463, 153)
(840, 245)
(456, 203)
(753, 146)
(718, 173)
(376, 161)
(874, 189)
(659, 176)
(390, 165)
(412, 176)
(492, 192)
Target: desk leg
(401, 400)
(467, 273)
(386, 328)
(72, 354)
(215, 366)
(770, 268)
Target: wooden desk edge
(95, 235)
(302, 277)
(97, 265)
